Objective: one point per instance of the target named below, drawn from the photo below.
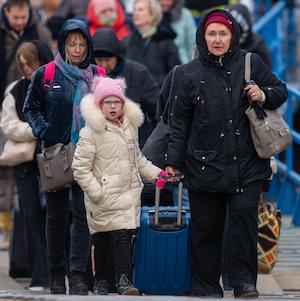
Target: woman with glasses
(54, 116)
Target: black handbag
(55, 166)
(156, 145)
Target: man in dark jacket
(211, 144)
(141, 86)
(249, 40)
(18, 23)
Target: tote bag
(55, 166)
(270, 133)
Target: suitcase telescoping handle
(179, 207)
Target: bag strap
(170, 94)
(49, 75)
(248, 67)
(100, 71)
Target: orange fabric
(119, 27)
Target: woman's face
(112, 108)
(108, 16)
(27, 68)
(218, 38)
(142, 17)
(76, 48)
(166, 5)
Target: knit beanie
(218, 17)
(100, 5)
(104, 87)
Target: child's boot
(125, 287)
(100, 287)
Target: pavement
(282, 284)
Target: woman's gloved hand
(161, 179)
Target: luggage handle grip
(179, 207)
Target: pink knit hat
(105, 86)
(100, 5)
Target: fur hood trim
(95, 119)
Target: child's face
(112, 108)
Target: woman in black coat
(151, 44)
(211, 145)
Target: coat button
(237, 190)
(203, 158)
(230, 120)
(234, 158)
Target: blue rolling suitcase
(161, 257)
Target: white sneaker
(36, 288)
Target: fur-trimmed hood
(95, 119)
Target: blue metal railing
(278, 29)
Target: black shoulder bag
(156, 145)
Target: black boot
(100, 287)
(78, 285)
(125, 287)
(246, 290)
(58, 285)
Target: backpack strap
(49, 75)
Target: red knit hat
(218, 17)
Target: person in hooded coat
(107, 13)
(55, 117)
(142, 88)
(31, 55)
(249, 40)
(151, 43)
(182, 22)
(211, 144)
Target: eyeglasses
(109, 103)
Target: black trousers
(34, 222)
(120, 244)
(208, 211)
(58, 206)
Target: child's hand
(161, 179)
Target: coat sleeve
(274, 89)
(83, 166)
(150, 92)
(12, 126)
(171, 54)
(182, 120)
(33, 106)
(163, 96)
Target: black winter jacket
(50, 113)
(158, 53)
(141, 87)
(210, 140)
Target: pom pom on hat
(104, 87)
(218, 17)
(100, 5)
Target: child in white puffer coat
(109, 167)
